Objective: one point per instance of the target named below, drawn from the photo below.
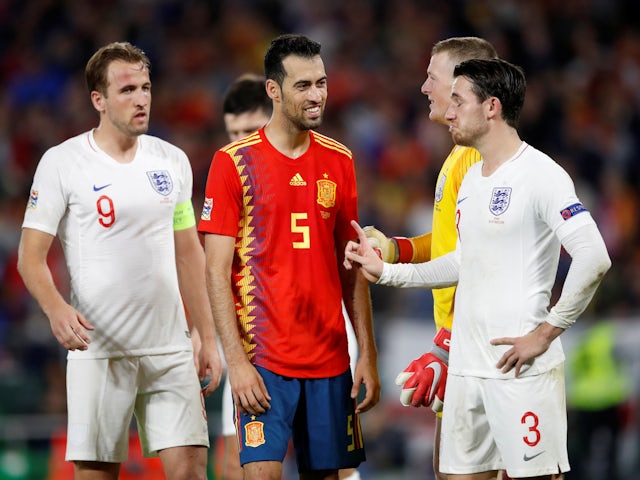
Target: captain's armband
(183, 216)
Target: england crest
(161, 181)
(500, 199)
(440, 187)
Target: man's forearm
(589, 263)
(190, 265)
(40, 284)
(225, 318)
(362, 317)
(438, 273)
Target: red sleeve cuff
(405, 249)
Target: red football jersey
(290, 218)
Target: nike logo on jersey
(437, 372)
(461, 200)
(526, 458)
(97, 189)
(297, 181)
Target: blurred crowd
(581, 57)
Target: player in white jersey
(120, 202)
(505, 406)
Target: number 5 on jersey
(302, 230)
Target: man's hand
(424, 380)
(386, 248)
(250, 394)
(362, 253)
(525, 348)
(209, 366)
(70, 327)
(366, 373)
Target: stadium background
(582, 59)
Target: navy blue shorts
(318, 414)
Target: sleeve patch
(572, 211)
(206, 209)
(33, 199)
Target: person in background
(431, 368)
(120, 202)
(598, 391)
(516, 208)
(246, 107)
(276, 220)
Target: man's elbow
(23, 266)
(603, 265)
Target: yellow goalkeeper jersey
(443, 229)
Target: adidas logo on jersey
(297, 181)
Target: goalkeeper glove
(390, 250)
(424, 380)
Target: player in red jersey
(276, 220)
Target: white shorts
(228, 425)
(352, 341)
(103, 394)
(517, 424)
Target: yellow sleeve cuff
(421, 248)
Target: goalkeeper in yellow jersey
(424, 379)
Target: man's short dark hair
(283, 46)
(247, 94)
(496, 78)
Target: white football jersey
(115, 224)
(510, 225)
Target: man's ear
(494, 107)
(97, 99)
(273, 90)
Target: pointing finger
(362, 237)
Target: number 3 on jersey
(302, 230)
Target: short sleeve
(223, 198)
(47, 202)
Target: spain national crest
(161, 181)
(326, 193)
(254, 434)
(500, 199)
